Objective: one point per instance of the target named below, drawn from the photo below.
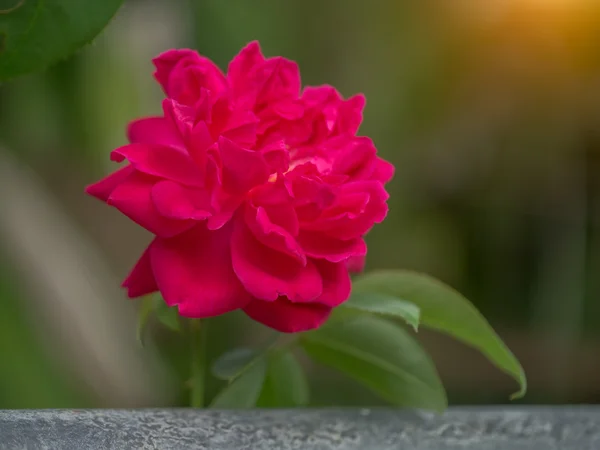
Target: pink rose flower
(259, 195)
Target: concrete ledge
(535, 428)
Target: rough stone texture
(539, 428)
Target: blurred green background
(490, 111)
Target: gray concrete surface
(531, 428)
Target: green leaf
(382, 356)
(386, 305)
(168, 316)
(146, 309)
(444, 309)
(244, 390)
(37, 33)
(286, 385)
(230, 364)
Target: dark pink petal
(133, 198)
(354, 157)
(319, 95)
(279, 79)
(154, 130)
(271, 194)
(336, 282)
(103, 188)
(193, 270)
(287, 317)
(358, 207)
(184, 117)
(274, 235)
(165, 63)
(241, 67)
(319, 245)
(350, 114)
(290, 109)
(140, 280)
(356, 264)
(224, 207)
(183, 73)
(384, 170)
(276, 156)
(267, 273)
(242, 169)
(237, 125)
(199, 143)
(161, 161)
(178, 202)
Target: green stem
(198, 333)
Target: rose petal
(287, 317)
(154, 130)
(140, 280)
(193, 270)
(133, 198)
(319, 245)
(103, 188)
(177, 202)
(358, 207)
(336, 282)
(356, 264)
(267, 273)
(275, 235)
(384, 170)
(182, 73)
(161, 161)
(242, 169)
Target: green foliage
(386, 305)
(243, 391)
(444, 309)
(382, 356)
(146, 308)
(37, 33)
(154, 306)
(283, 382)
(376, 352)
(286, 384)
(230, 364)
(168, 316)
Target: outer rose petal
(287, 317)
(268, 274)
(103, 188)
(161, 161)
(336, 282)
(177, 202)
(384, 170)
(358, 207)
(319, 245)
(257, 81)
(132, 197)
(241, 65)
(154, 130)
(193, 270)
(140, 280)
(350, 114)
(356, 264)
(182, 73)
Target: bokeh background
(490, 111)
